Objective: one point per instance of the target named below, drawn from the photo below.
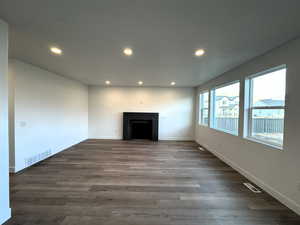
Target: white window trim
(249, 108)
(202, 109)
(212, 109)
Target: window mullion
(250, 123)
(268, 107)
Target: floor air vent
(252, 188)
(36, 158)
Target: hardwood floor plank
(116, 182)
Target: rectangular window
(203, 108)
(265, 101)
(225, 108)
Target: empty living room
(149, 112)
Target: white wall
(4, 146)
(278, 172)
(174, 105)
(51, 112)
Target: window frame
(213, 107)
(201, 122)
(249, 107)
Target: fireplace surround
(140, 125)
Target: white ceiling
(163, 34)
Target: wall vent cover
(36, 158)
(252, 188)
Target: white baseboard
(5, 215)
(160, 138)
(17, 169)
(290, 203)
(107, 138)
(176, 138)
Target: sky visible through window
(229, 91)
(269, 86)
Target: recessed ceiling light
(140, 82)
(56, 50)
(173, 83)
(107, 82)
(199, 52)
(128, 51)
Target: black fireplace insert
(138, 125)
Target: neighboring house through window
(265, 109)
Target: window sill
(273, 146)
(225, 131)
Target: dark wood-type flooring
(139, 183)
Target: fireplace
(137, 125)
